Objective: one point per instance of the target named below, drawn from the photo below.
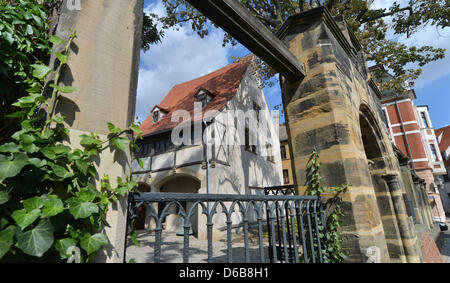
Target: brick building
(410, 129)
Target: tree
(369, 26)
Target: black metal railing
(287, 227)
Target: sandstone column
(322, 112)
(103, 67)
(409, 240)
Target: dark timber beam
(236, 20)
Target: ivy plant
(329, 232)
(23, 42)
(50, 203)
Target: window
(270, 156)
(283, 152)
(251, 148)
(203, 97)
(446, 178)
(424, 119)
(286, 176)
(433, 152)
(256, 108)
(155, 116)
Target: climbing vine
(50, 205)
(332, 250)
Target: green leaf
(37, 241)
(81, 209)
(61, 172)
(10, 147)
(8, 37)
(4, 197)
(93, 243)
(38, 163)
(89, 141)
(52, 207)
(62, 58)
(28, 100)
(82, 166)
(40, 71)
(113, 129)
(63, 245)
(56, 40)
(63, 89)
(136, 129)
(24, 219)
(33, 203)
(134, 239)
(121, 143)
(6, 240)
(10, 167)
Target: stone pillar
(322, 112)
(409, 240)
(427, 202)
(103, 67)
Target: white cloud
(182, 56)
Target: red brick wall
(430, 251)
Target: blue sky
(183, 56)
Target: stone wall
(336, 110)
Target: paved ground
(445, 252)
(172, 250)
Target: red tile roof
(222, 84)
(445, 140)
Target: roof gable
(222, 84)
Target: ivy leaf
(134, 239)
(10, 148)
(33, 203)
(6, 240)
(62, 58)
(37, 241)
(64, 89)
(61, 172)
(93, 243)
(81, 209)
(40, 71)
(38, 163)
(63, 245)
(88, 141)
(10, 167)
(113, 129)
(121, 143)
(56, 40)
(4, 197)
(24, 219)
(82, 165)
(52, 207)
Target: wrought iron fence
(288, 227)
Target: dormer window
(204, 97)
(155, 116)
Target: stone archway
(375, 154)
(179, 184)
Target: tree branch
(362, 21)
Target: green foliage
(49, 202)
(24, 44)
(368, 24)
(331, 240)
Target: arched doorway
(139, 223)
(179, 184)
(377, 160)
